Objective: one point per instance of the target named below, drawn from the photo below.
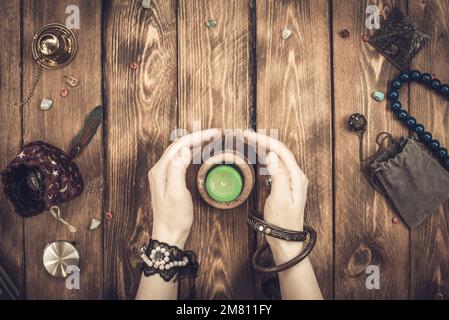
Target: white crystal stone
(146, 4)
(286, 33)
(46, 104)
(95, 223)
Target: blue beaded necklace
(412, 124)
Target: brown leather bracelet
(289, 264)
(259, 225)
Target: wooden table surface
(241, 74)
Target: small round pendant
(357, 122)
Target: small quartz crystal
(211, 24)
(286, 33)
(146, 4)
(46, 104)
(378, 96)
(71, 81)
(94, 224)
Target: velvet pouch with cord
(416, 183)
(42, 176)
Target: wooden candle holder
(239, 162)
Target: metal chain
(19, 104)
(37, 76)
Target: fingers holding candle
(176, 173)
(265, 143)
(279, 176)
(159, 171)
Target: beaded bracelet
(269, 229)
(169, 261)
(259, 225)
(396, 106)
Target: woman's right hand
(170, 199)
(285, 205)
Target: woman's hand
(170, 200)
(285, 205)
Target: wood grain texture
(364, 233)
(294, 97)
(58, 126)
(214, 89)
(306, 87)
(430, 241)
(141, 107)
(11, 225)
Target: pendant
(71, 81)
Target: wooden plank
(364, 233)
(58, 126)
(141, 113)
(293, 96)
(214, 89)
(11, 225)
(430, 241)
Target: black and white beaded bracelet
(160, 258)
(168, 261)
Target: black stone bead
(426, 78)
(444, 89)
(396, 106)
(442, 153)
(435, 84)
(446, 163)
(434, 145)
(404, 76)
(415, 74)
(396, 84)
(411, 122)
(402, 115)
(393, 95)
(419, 128)
(426, 137)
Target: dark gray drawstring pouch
(416, 183)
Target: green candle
(224, 183)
